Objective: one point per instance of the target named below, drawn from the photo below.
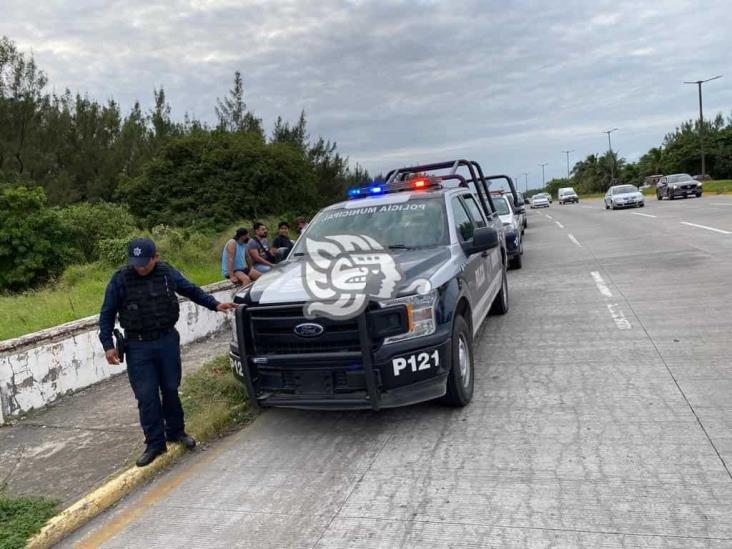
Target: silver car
(624, 196)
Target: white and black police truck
(379, 300)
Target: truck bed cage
(476, 177)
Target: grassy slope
(80, 291)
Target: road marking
(705, 227)
(604, 290)
(644, 215)
(548, 216)
(559, 225)
(619, 317)
(573, 239)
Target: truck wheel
(460, 380)
(516, 262)
(500, 303)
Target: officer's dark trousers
(154, 370)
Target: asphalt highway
(602, 417)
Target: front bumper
(374, 376)
(634, 204)
(684, 193)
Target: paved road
(602, 418)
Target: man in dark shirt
(282, 244)
(144, 295)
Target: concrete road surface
(602, 417)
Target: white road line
(705, 227)
(573, 239)
(604, 290)
(559, 225)
(548, 216)
(619, 317)
(644, 215)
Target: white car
(539, 201)
(624, 196)
(566, 195)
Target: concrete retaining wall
(38, 368)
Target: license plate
(416, 362)
(236, 366)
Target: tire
(658, 195)
(516, 262)
(500, 303)
(612, 206)
(461, 379)
(698, 195)
(606, 206)
(642, 205)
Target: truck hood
(285, 284)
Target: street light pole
(526, 180)
(612, 160)
(701, 120)
(567, 153)
(543, 180)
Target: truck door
(492, 258)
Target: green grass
(80, 290)
(718, 187)
(21, 518)
(213, 400)
(79, 293)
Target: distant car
(678, 185)
(566, 195)
(705, 177)
(623, 196)
(548, 196)
(539, 201)
(512, 229)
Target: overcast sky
(508, 83)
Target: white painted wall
(38, 368)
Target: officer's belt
(147, 336)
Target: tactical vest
(150, 303)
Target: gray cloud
(509, 83)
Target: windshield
(624, 189)
(679, 178)
(502, 206)
(410, 224)
(566, 191)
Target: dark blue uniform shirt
(114, 297)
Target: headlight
(420, 314)
(674, 187)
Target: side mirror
(520, 209)
(484, 238)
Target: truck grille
(272, 330)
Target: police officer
(144, 295)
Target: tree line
(66, 156)
(679, 152)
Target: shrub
(90, 224)
(33, 239)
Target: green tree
(33, 240)
(232, 111)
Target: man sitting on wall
(258, 249)
(234, 258)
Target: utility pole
(543, 181)
(612, 159)
(526, 180)
(701, 120)
(567, 153)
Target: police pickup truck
(380, 298)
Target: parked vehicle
(512, 230)
(566, 195)
(444, 235)
(705, 177)
(678, 185)
(521, 211)
(623, 196)
(539, 201)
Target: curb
(101, 499)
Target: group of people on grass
(245, 257)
